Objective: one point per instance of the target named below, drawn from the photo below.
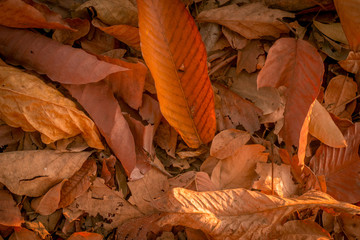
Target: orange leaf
(23, 233)
(9, 213)
(341, 167)
(351, 63)
(85, 236)
(29, 14)
(124, 33)
(176, 57)
(61, 63)
(296, 65)
(349, 13)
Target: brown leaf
(10, 214)
(300, 70)
(108, 171)
(68, 37)
(251, 20)
(61, 63)
(78, 183)
(124, 33)
(332, 30)
(247, 58)
(349, 13)
(85, 236)
(340, 166)
(351, 63)
(227, 142)
(238, 170)
(237, 110)
(176, 56)
(295, 5)
(27, 102)
(103, 201)
(98, 100)
(166, 138)
(303, 229)
(113, 12)
(32, 173)
(38, 228)
(29, 14)
(23, 233)
(9, 135)
(236, 40)
(239, 213)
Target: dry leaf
(295, 5)
(247, 58)
(27, 102)
(227, 142)
(85, 236)
(351, 63)
(103, 201)
(303, 229)
(238, 170)
(98, 100)
(61, 63)
(341, 90)
(23, 233)
(166, 138)
(38, 228)
(32, 173)
(10, 214)
(323, 127)
(113, 12)
(349, 13)
(279, 179)
(97, 42)
(251, 20)
(332, 30)
(237, 110)
(29, 14)
(174, 62)
(68, 37)
(340, 166)
(301, 71)
(9, 135)
(124, 33)
(236, 40)
(239, 213)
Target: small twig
(150, 160)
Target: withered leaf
(10, 214)
(85, 236)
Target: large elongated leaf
(27, 102)
(341, 167)
(298, 66)
(61, 63)
(176, 57)
(239, 213)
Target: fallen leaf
(166, 138)
(278, 179)
(29, 14)
(348, 12)
(239, 213)
(341, 90)
(303, 229)
(38, 228)
(252, 21)
(10, 214)
(226, 175)
(68, 37)
(98, 100)
(61, 63)
(32, 173)
(85, 236)
(247, 57)
(23, 233)
(203, 182)
(301, 71)
(227, 142)
(244, 84)
(323, 127)
(124, 33)
(350, 225)
(107, 203)
(108, 171)
(187, 105)
(113, 12)
(237, 110)
(332, 30)
(9, 135)
(27, 102)
(351, 63)
(340, 166)
(236, 40)
(97, 42)
(295, 5)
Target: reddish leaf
(61, 63)
(29, 14)
(108, 171)
(85, 236)
(9, 213)
(296, 65)
(349, 13)
(124, 33)
(176, 57)
(23, 233)
(99, 102)
(341, 167)
(68, 36)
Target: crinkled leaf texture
(341, 167)
(61, 63)
(239, 213)
(295, 64)
(27, 102)
(176, 57)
